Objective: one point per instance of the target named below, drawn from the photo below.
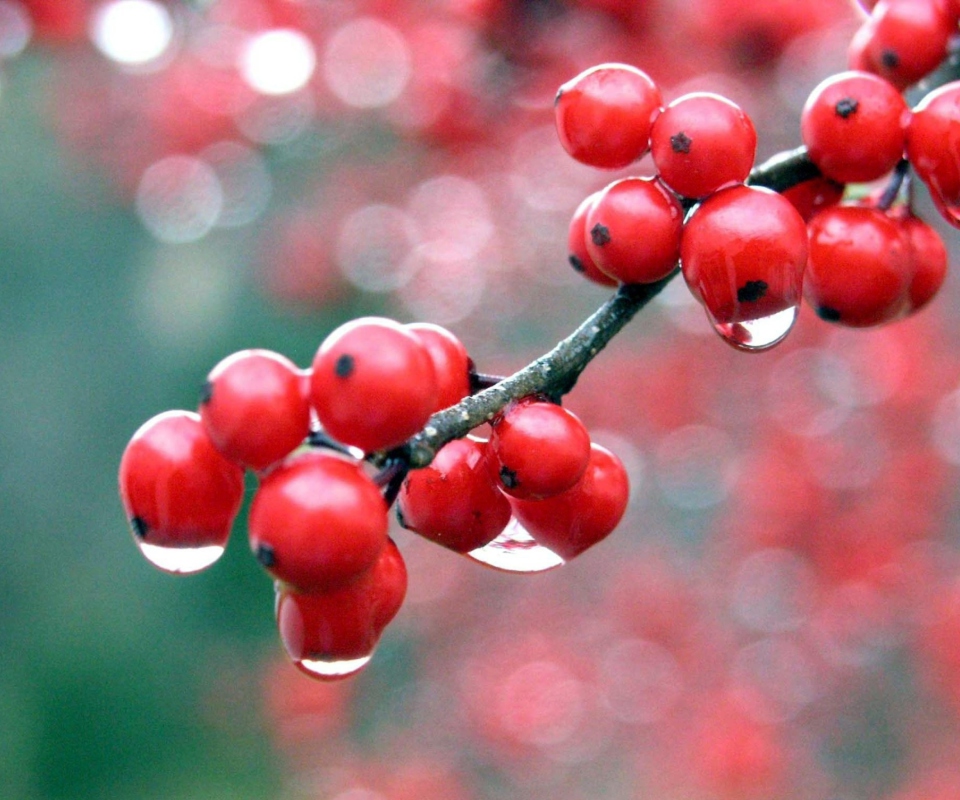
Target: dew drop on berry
(180, 560)
(757, 334)
(333, 670)
(515, 550)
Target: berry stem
(556, 373)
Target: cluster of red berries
(318, 522)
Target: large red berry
(859, 268)
(454, 501)
(853, 125)
(254, 407)
(373, 384)
(317, 521)
(178, 491)
(933, 142)
(701, 142)
(633, 230)
(743, 254)
(540, 449)
(603, 115)
(322, 630)
(570, 522)
(451, 362)
(578, 254)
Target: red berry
(451, 362)
(317, 521)
(903, 40)
(540, 449)
(254, 407)
(853, 125)
(930, 261)
(859, 268)
(743, 253)
(604, 115)
(373, 384)
(570, 522)
(633, 230)
(579, 255)
(701, 142)
(322, 630)
(454, 501)
(178, 491)
(933, 142)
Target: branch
(555, 373)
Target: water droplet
(515, 550)
(757, 334)
(181, 560)
(332, 670)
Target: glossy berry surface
(853, 125)
(317, 521)
(577, 252)
(342, 624)
(451, 362)
(812, 196)
(701, 142)
(373, 384)
(633, 230)
(933, 142)
(743, 254)
(588, 512)
(603, 115)
(540, 449)
(453, 501)
(178, 491)
(859, 268)
(930, 261)
(255, 408)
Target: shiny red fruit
(813, 195)
(603, 115)
(373, 384)
(254, 407)
(451, 362)
(570, 522)
(854, 127)
(933, 142)
(578, 254)
(930, 262)
(454, 501)
(701, 142)
(341, 624)
(859, 268)
(178, 491)
(317, 521)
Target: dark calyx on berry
(600, 234)
(343, 368)
(139, 527)
(889, 59)
(206, 392)
(846, 107)
(828, 314)
(577, 264)
(680, 142)
(265, 555)
(751, 291)
(508, 477)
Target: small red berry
(178, 491)
(540, 449)
(633, 230)
(579, 256)
(853, 125)
(570, 522)
(451, 362)
(317, 521)
(254, 407)
(859, 268)
(373, 384)
(454, 501)
(701, 142)
(933, 143)
(604, 114)
(930, 261)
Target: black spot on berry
(889, 59)
(828, 314)
(680, 142)
(139, 527)
(751, 291)
(265, 555)
(846, 107)
(206, 392)
(600, 234)
(344, 366)
(576, 263)
(508, 477)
